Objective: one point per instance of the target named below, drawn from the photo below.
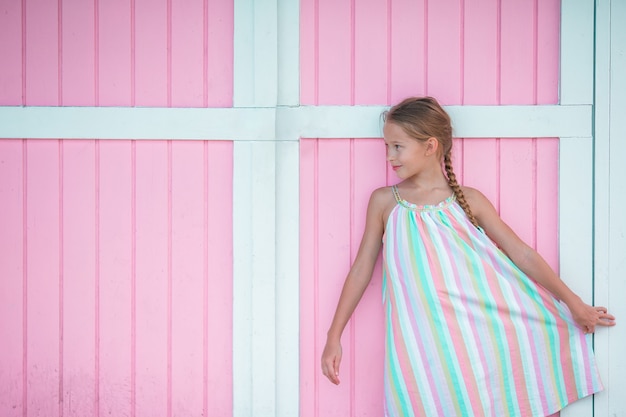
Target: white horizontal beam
(280, 123)
(137, 123)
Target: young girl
(468, 333)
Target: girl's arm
(356, 282)
(529, 261)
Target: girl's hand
(588, 317)
(331, 358)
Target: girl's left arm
(531, 263)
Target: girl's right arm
(356, 282)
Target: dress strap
(396, 194)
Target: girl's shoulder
(478, 202)
(472, 195)
(382, 196)
(382, 201)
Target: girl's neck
(431, 179)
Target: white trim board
(610, 183)
(254, 279)
(279, 123)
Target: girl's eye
(397, 146)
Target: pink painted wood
(13, 291)
(116, 257)
(116, 264)
(461, 52)
(380, 52)
(11, 70)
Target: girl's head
(423, 118)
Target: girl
(468, 333)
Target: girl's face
(406, 155)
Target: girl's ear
(432, 145)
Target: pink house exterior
(183, 187)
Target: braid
(458, 192)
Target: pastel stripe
(468, 333)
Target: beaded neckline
(426, 207)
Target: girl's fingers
(607, 320)
(335, 371)
(604, 318)
(331, 371)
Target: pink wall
(117, 53)
(116, 255)
(116, 288)
(370, 52)
(462, 52)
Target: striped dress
(467, 332)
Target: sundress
(467, 332)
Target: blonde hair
(423, 118)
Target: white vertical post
(254, 297)
(610, 183)
(254, 214)
(287, 218)
(576, 77)
(576, 162)
(256, 53)
(288, 52)
(266, 221)
(576, 230)
(287, 279)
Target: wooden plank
(517, 180)
(42, 320)
(41, 57)
(517, 52)
(283, 123)
(79, 286)
(407, 47)
(12, 286)
(468, 121)
(254, 286)
(11, 37)
(481, 52)
(333, 212)
(443, 56)
(188, 276)
(114, 84)
(187, 78)
(333, 60)
(287, 282)
(255, 53)
(114, 260)
(576, 161)
(137, 123)
(610, 175)
(151, 278)
(370, 58)
(577, 52)
(288, 52)
(547, 183)
(547, 51)
(219, 41)
(369, 168)
(219, 291)
(77, 53)
(576, 231)
(310, 348)
(150, 56)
